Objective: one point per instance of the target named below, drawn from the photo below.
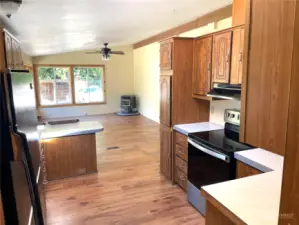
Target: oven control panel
(232, 116)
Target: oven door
(207, 166)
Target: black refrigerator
(20, 158)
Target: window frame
(72, 85)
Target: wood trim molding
(72, 85)
(217, 15)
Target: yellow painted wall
(147, 72)
(147, 75)
(119, 80)
(27, 59)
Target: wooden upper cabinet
(165, 100)
(165, 151)
(238, 12)
(201, 81)
(8, 50)
(166, 55)
(237, 56)
(222, 57)
(16, 54)
(14, 58)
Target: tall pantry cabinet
(176, 103)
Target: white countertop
(261, 159)
(254, 199)
(71, 129)
(196, 127)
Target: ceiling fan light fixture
(105, 57)
(10, 7)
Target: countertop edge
(93, 131)
(182, 131)
(252, 163)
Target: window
(70, 85)
(88, 84)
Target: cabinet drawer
(181, 139)
(181, 152)
(181, 164)
(181, 178)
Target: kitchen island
(69, 149)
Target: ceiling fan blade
(95, 52)
(117, 53)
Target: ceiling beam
(215, 16)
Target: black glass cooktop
(220, 140)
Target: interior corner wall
(119, 77)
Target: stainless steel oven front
(206, 166)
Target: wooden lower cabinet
(244, 170)
(181, 164)
(180, 159)
(181, 178)
(215, 217)
(70, 156)
(166, 151)
(41, 190)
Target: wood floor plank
(128, 189)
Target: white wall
(119, 78)
(147, 75)
(217, 109)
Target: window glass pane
(54, 85)
(89, 84)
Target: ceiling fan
(106, 52)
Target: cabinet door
(238, 12)
(165, 151)
(8, 50)
(165, 100)
(222, 57)
(41, 190)
(202, 66)
(16, 54)
(166, 56)
(237, 56)
(20, 63)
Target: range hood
(226, 91)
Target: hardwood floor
(128, 188)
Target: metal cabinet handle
(182, 177)
(241, 57)
(181, 152)
(227, 57)
(209, 66)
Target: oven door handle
(209, 152)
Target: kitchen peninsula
(69, 149)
